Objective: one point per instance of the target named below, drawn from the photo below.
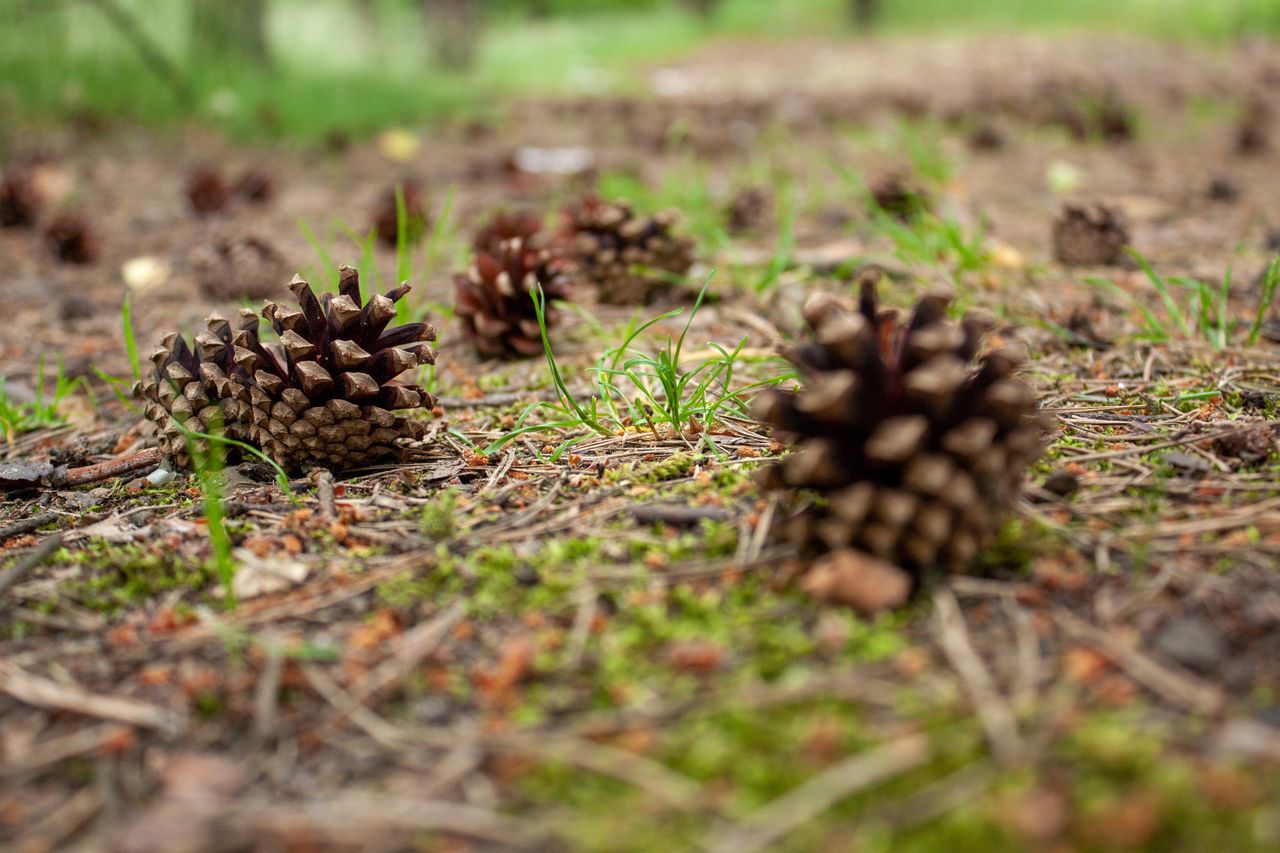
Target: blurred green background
(304, 69)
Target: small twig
(994, 713)
(1180, 688)
(412, 648)
(24, 566)
(581, 630)
(106, 470)
(28, 524)
(677, 514)
(266, 693)
(794, 809)
(325, 494)
(45, 693)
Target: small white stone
(160, 477)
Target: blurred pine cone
(71, 240)
(494, 298)
(748, 210)
(899, 197)
(507, 225)
(386, 215)
(207, 192)
(324, 394)
(917, 451)
(242, 267)
(256, 186)
(629, 258)
(20, 198)
(1090, 236)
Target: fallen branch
(46, 693)
(997, 719)
(1179, 688)
(28, 524)
(117, 467)
(24, 566)
(772, 822)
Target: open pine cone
(71, 239)
(507, 225)
(625, 255)
(324, 394)
(1090, 236)
(20, 198)
(495, 296)
(917, 450)
(239, 267)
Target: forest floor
(600, 649)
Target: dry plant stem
(1180, 688)
(997, 719)
(28, 524)
(24, 566)
(43, 692)
(325, 494)
(106, 470)
(764, 827)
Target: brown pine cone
(256, 186)
(20, 199)
(629, 258)
(325, 393)
(71, 240)
(1090, 237)
(242, 267)
(494, 298)
(386, 216)
(207, 192)
(916, 445)
(748, 210)
(899, 197)
(508, 225)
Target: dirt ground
(513, 652)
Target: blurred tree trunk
(864, 13)
(230, 31)
(702, 8)
(453, 29)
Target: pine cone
(323, 394)
(624, 255)
(917, 451)
(256, 187)
(507, 225)
(71, 241)
(748, 210)
(899, 197)
(1090, 237)
(20, 198)
(495, 296)
(243, 267)
(207, 192)
(1250, 441)
(386, 215)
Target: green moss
(115, 577)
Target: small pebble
(160, 477)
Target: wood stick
(763, 827)
(117, 467)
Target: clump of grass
(19, 417)
(1204, 311)
(207, 460)
(438, 520)
(628, 387)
